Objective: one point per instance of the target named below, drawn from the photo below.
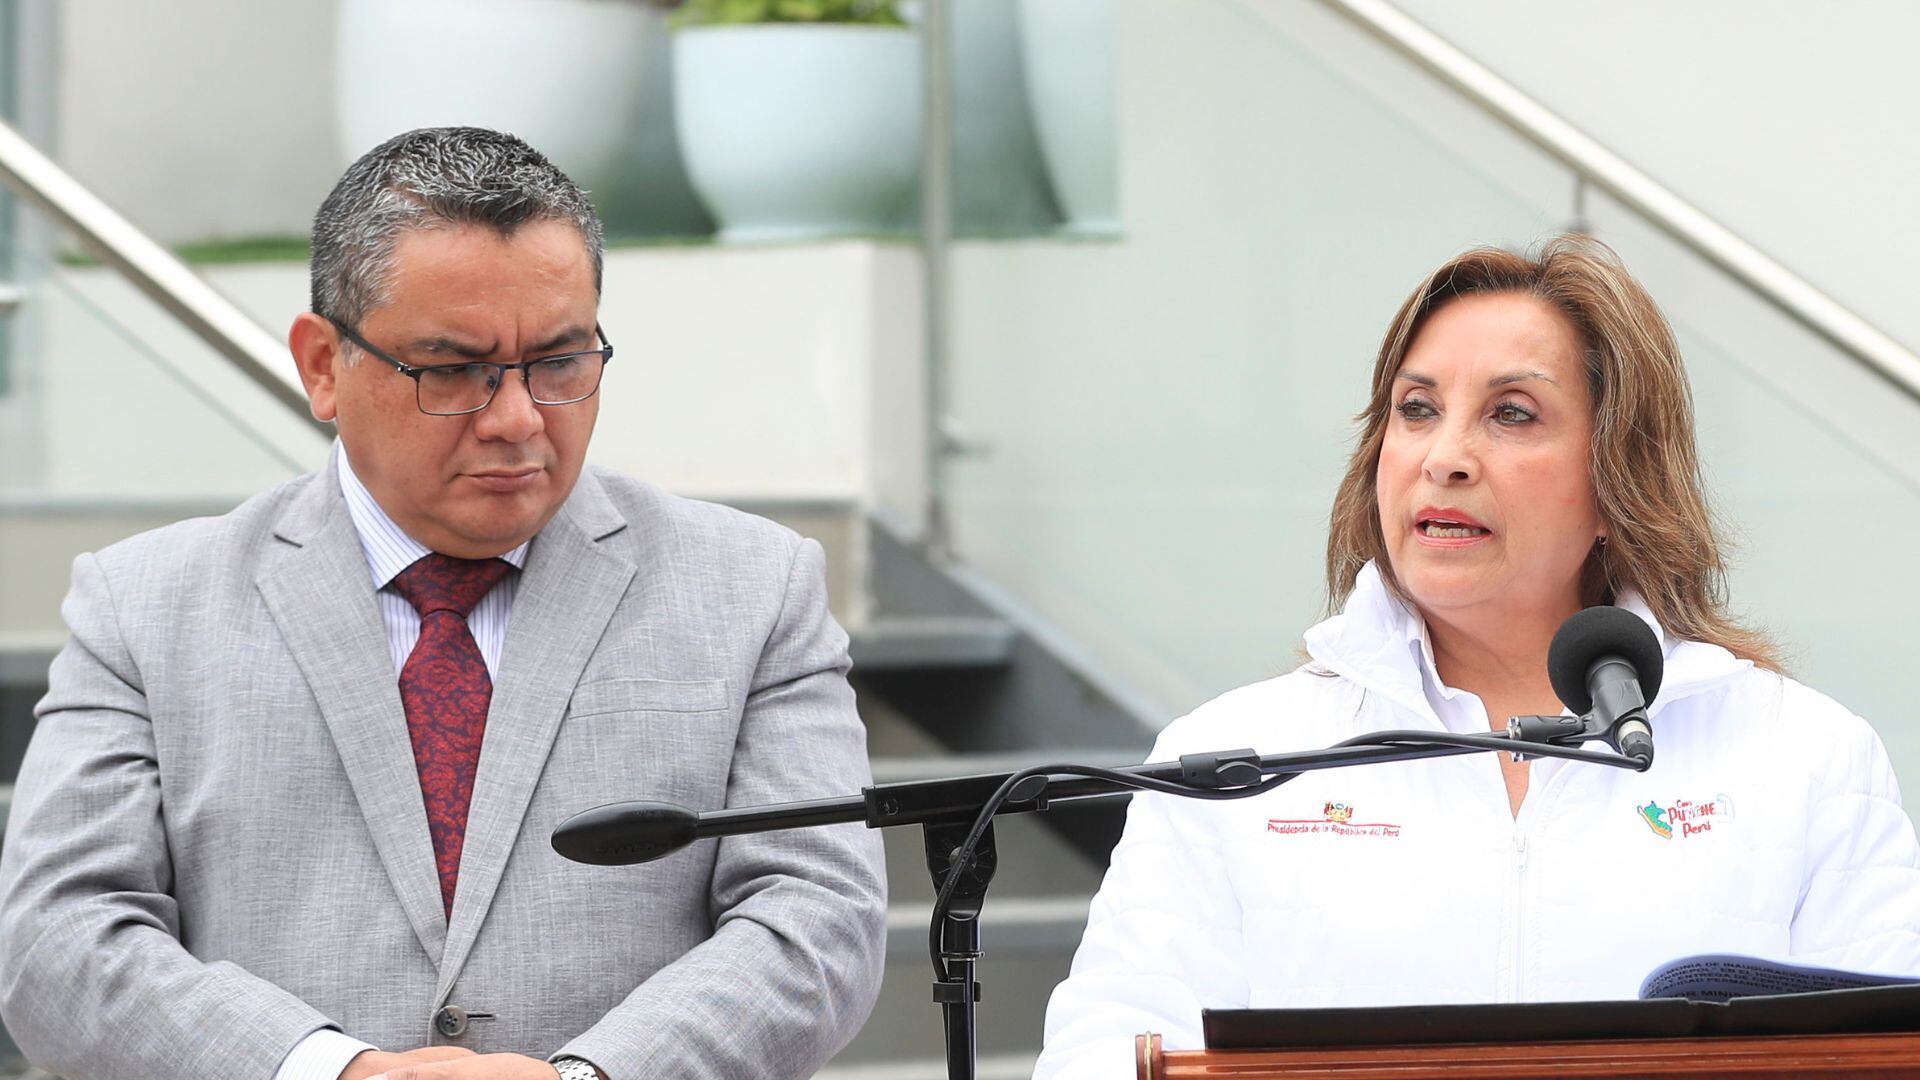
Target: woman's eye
(1415, 409)
(1511, 414)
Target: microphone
(623, 833)
(1605, 664)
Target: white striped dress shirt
(390, 550)
(324, 1054)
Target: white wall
(767, 373)
(746, 374)
(1792, 123)
(200, 119)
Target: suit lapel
(567, 595)
(320, 595)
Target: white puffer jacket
(1769, 825)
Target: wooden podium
(1724, 1058)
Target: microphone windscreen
(1592, 634)
(621, 834)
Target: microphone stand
(956, 820)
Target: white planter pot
(1068, 49)
(794, 131)
(651, 195)
(564, 75)
(1000, 185)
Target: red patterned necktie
(445, 690)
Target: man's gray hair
(430, 178)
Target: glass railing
(1156, 421)
(104, 409)
(113, 419)
(1810, 459)
(82, 427)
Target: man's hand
(370, 1063)
(476, 1067)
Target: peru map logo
(1653, 816)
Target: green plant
(736, 12)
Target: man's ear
(315, 345)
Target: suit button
(451, 1021)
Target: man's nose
(512, 415)
(1453, 456)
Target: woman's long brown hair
(1661, 538)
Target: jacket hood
(1375, 642)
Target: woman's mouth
(1451, 530)
(1447, 526)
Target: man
(286, 811)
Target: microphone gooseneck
(956, 815)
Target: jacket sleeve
(793, 966)
(1860, 890)
(1163, 941)
(94, 981)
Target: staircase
(1030, 925)
(952, 683)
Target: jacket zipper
(1538, 805)
(1518, 987)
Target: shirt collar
(1421, 645)
(386, 545)
(1380, 642)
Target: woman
(1527, 451)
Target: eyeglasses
(458, 389)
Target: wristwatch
(576, 1069)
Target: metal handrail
(1679, 219)
(152, 269)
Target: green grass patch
(296, 249)
(245, 249)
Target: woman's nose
(1452, 457)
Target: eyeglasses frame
(411, 371)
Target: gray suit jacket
(218, 842)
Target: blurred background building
(1048, 317)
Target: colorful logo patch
(1685, 818)
(1336, 819)
(1653, 815)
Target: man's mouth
(507, 480)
